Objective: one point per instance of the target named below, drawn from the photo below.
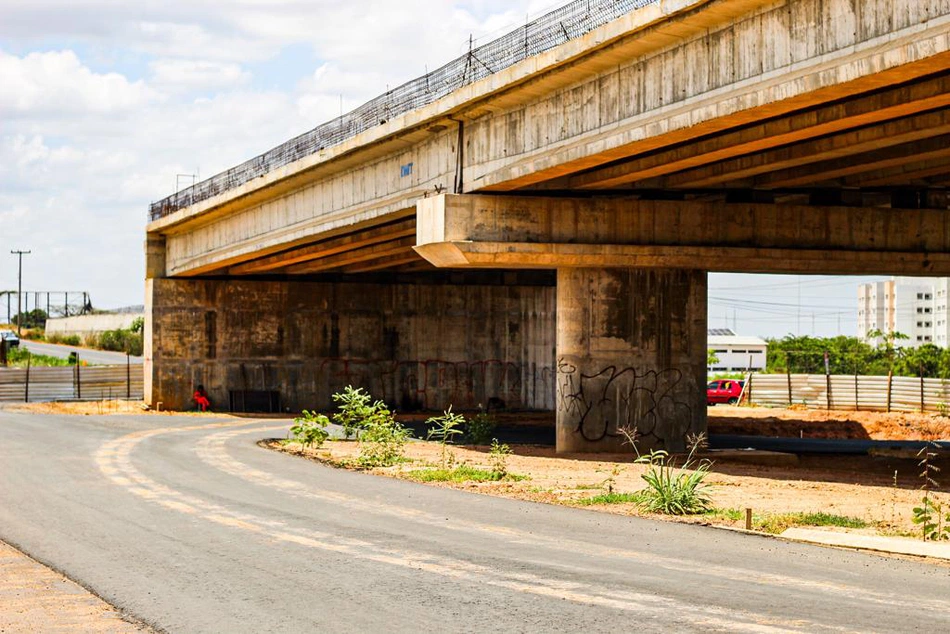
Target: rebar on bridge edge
(563, 24)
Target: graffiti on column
(598, 404)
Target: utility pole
(19, 290)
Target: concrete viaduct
(539, 233)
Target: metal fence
(37, 384)
(566, 23)
(872, 393)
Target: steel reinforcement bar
(566, 23)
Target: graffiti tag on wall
(598, 403)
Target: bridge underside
(575, 279)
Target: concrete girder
(900, 131)
(343, 260)
(539, 232)
(367, 237)
(406, 256)
(890, 104)
(881, 159)
(909, 174)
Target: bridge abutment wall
(418, 346)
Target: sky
(108, 105)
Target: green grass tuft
(777, 522)
(461, 473)
(611, 498)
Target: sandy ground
(723, 419)
(33, 598)
(802, 423)
(859, 487)
(104, 408)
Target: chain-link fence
(552, 29)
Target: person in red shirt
(201, 399)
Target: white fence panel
(71, 383)
(874, 393)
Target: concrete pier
(631, 352)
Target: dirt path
(33, 598)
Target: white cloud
(189, 74)
(57, 83)
(96, 126)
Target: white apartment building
(735, 353)
(914, 306)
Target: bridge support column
(631, 352)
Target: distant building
(735, 353)
(913, 306)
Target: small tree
(443, 428)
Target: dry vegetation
(861, 490)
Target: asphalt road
(93, 357)
(185, 523)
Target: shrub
(71, 340)
(120, 340)
(355, 410)
(310, 429)
(382, 441)
(479, 429)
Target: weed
(929, 515)
(310, 429)
(611, 480)
(479, 429)
(674, 491)
(443, 428)
(611, 498)
(776, 523)
(498, 458)
(733, 515)
(670, 490)
(461, 473)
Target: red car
(724, 391)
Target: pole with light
(19, 290)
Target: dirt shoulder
(810, 423)
(34, 598)
(875, 494)
(108, 407)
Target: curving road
(93, 357)
(188, 525)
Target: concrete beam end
(443, 254)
